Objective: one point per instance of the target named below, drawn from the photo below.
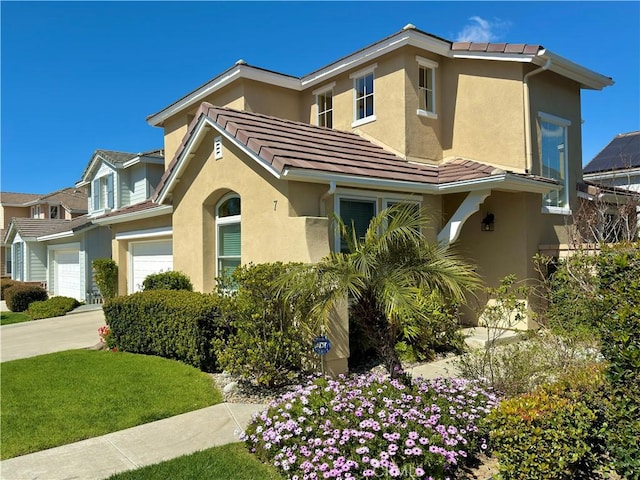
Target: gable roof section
(409, 35)
(299, 151)
(11, 199)
(31, 228)
(146, 209)
(72, 199)
(115, 159)
(622, 153)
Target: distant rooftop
(622, 153)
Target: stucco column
(336, 362)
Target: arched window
(228, 237)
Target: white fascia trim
(240, 71)
(131, 162)
(502, 57)
(407, 37)
(324, 88)
(562, 66)
(426, 62)
(632, 172)
(205, 123)
(148, 233)
(128, 217)
(56, 236)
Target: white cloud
(481, 30)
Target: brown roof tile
(520, 48)
(138, 207)
(11, 198)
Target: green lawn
(7, 318)
(231, 461)
(64, 397)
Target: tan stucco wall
(482, 111)
(271, 100)
(120, 248)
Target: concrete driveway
(77, 329)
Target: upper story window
(324, 105)
(53, 211)
(363, 87)
(102, 192)
(427, 87)
(554, 161)
(228, 235)
(36, 211)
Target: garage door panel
(148, 258)
(67, 273)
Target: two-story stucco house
(485, 137)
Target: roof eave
(140, 215)
(562, 66)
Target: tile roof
(37, 227)
(287, 145)
(117, 158)
(138, 207)
(11, 198)
(73, 199)
(516, 48)
(622, 153)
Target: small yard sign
(321, 345)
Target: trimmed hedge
(105, 272)
(172, 324)
(19, 297)
(167, 281)
(54, 307)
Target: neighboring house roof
(33, 227)
(622, 153)
(72, 199)
(409, 35)
(117, 160)
(17, 199)
(298, 150)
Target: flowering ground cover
(371, 426)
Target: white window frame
(565, 124)
(320, 92)
(36, 211)
(380, 199)
(355, 76)
(222, 221)
(431, 67)
(103, 199)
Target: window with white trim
(324, 104)
(18, 261)
(7, 259)
(426, 87)
(228, 235)
(102, 192)
(357, 211)
(363, 98)
(554, 160)
(36, 212)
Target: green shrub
(173, 324)
(54, 307)
(269, 340)
(19, 297)
(552, 433)
(7, 283)
(105, 272)
(167, 281)
(421, 338)
(620, 330)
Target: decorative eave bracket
(468, 207)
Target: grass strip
(231, 461)
(65, 397)
(7, 318)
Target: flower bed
(372, 426)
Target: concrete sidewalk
(101, 457)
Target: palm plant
(383, 274)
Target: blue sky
(78, 76)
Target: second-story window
(426, 87)
(324, 103)
(35, 211)
(363, 90)
(53, 211)
(102, 191)
(554, 160)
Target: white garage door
(67, 273)
(148, 258)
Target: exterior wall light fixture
(487, 223)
